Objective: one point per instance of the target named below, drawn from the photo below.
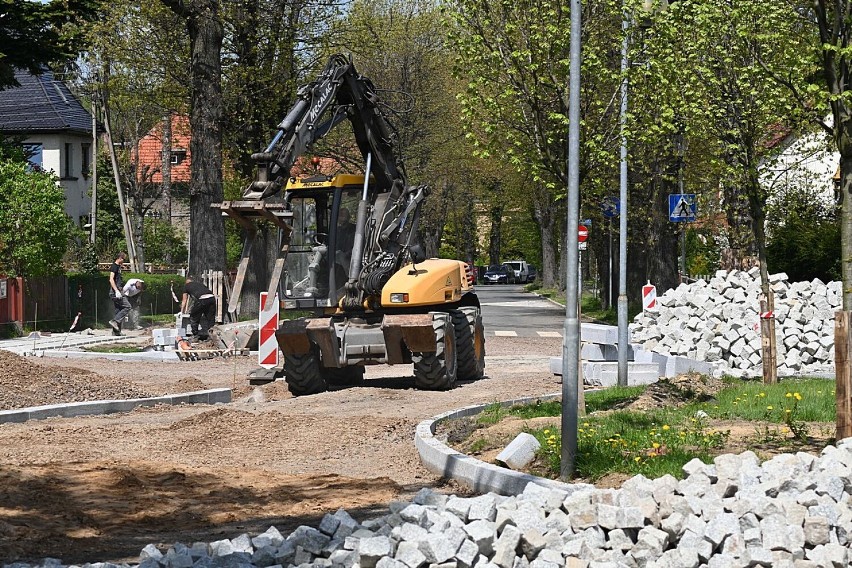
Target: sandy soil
(100, 488)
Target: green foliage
(756, 401)
(34, 228)
(702, 251)
(33, 34)
(163, 243)
(805, 238)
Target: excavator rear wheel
(303, 374)
(352, 375)
(470, 343)
(437, 370)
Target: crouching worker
(203, 305)
(133, 292)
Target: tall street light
(622, 218)
(571, 335)
(648, 8)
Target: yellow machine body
(432, 282)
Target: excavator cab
(323, 230)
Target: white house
(43, 115)
(806, 161)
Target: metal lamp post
(571, 335)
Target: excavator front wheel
(303, 374)
(437, 370)
(470, 343)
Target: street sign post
(610, 206)
(582, 236)
(682, 207)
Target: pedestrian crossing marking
(549, 334)
(506, 333)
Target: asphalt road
(509, 311)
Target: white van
(522, 270)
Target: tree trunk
(468, 231)
(546, 212)
(495, 234)
(846, 219)
(166, 171)
(207, 233)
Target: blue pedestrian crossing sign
(682, 207)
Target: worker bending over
(203, 305)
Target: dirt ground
(99, 488)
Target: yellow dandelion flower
(580, 430)
(788, 411)
(734, 403)
(789, 395)
(585, 424)
(546, 432)
(666, 427)
(655, 445)
(763, 395)
(637, 459)
(769, 407)
(819, 392)
(797, 396)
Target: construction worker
(119, 301)
(133, 292)
(203, 305)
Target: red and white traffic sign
(267, 349)
(582, 233)
(649, 296)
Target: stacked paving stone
(718, 322)
(790, 511)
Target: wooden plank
(843, 374)
(219, 297)
(234, 300)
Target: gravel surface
(102, 487)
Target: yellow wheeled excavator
(373, 297)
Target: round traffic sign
(582, 233)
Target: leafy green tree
(726, 55)
(804, 240)
(34, 228)
(163, 242)
(514, 61)
(34, 34)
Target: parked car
(521, 270)
(499, 274)
(532, 274)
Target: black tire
(470, 343)
(344, 376)
(303, 374)
(437, 370)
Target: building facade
(56, 132)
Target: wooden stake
(767, 339)
(843, 386)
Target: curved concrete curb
(482, 477)
(70, 410)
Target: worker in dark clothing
(116, 294)
(203, 305)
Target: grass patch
(659, 441)
(492, 414)
(113, 348)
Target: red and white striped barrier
(649, 296)
(267, 349)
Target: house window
(178, 156)
(33, 152)
(68, 170)
(86, 160)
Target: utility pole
(94, 214)
(571, 335)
